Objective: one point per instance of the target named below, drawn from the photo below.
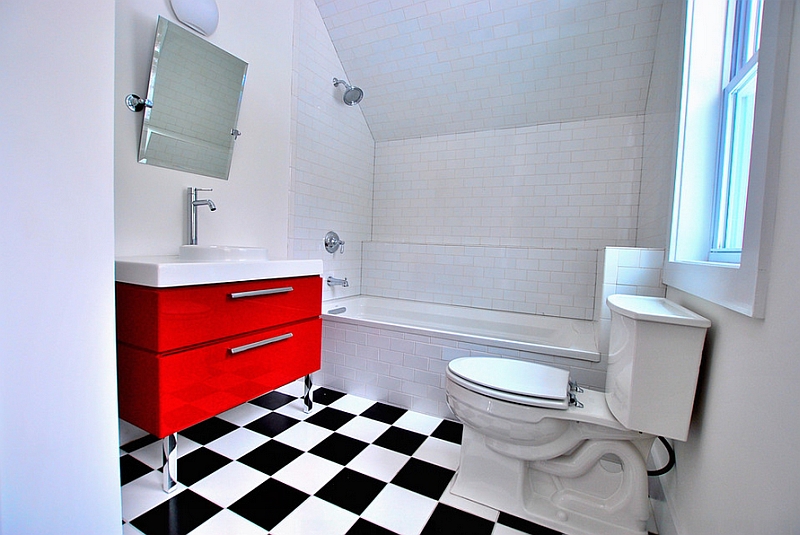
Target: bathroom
(89, 201)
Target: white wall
(738, 471)
(253, 205)
(59, 451)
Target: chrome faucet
(194, 202)
(333, 281)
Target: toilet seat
(516, 381)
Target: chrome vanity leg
(307, 403)
(169, 454)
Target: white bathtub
(544, 335)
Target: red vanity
(186, 352)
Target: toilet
(538, 446)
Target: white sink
(169, 271)
(222, 253)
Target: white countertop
(170, 271)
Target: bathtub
(396, 351)
(561, 337)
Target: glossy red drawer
(165, 393)
(164, 319)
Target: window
(730, 126)
(736, 134)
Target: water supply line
(670, 462)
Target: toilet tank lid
(658, 309)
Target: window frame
(738, 286)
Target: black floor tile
(524, 526)
(338, 448)
(139, 443)
(273, 400)
(384, 413)
(330, 418)
(449, 430)
(400, 440)
(198, 464)
(177, 516)
(362, 527)
(270, 457)
(208, 430)
(131, 469)
(423, 478)
(272, 424)
(269, 503)
(446, 519)
(351, 490)
(326, 396)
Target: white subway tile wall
(506, 219)
(553, 282)
(332, 158)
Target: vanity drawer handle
(240, 349)
(269, 291)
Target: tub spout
(332, 281)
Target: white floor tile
(304, 436)
(237, 443)
(229, 483)
(418, 422)
(228, 523)
(308, 473)
(144, 493)
(296, 410)
(295, 388)
(500, 529)
(352, 404)
(316, 517)
(128, 529)
(400, 510)
(378, 462)
(151, 454)
(129, 432)
(439, 452)
(477, 509)
(243, 414)
(364, 429)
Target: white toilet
(573, 460)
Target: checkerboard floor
(352, 466)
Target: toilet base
(581, 493)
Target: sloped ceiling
(431, 67)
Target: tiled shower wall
(660, 133)
(332, 157)
(506, 219)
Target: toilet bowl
(538, 447)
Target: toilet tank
(653, 362)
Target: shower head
(352, 94)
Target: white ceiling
(431, 67)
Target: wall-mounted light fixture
(200, 15)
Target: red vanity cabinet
(187, 353)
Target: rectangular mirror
(195, 90)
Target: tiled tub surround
(405, 366)
(381, 355)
